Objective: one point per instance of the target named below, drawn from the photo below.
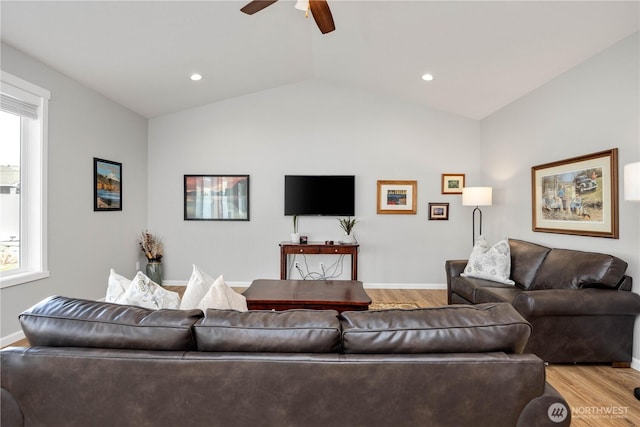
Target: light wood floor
(599, 395)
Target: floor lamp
(476, 196)
(632, 193)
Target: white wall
(82, 244)
(591, 108)
(311, 128)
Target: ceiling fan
(319, 9)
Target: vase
(350, 239)
(154, 271)
(295, 237)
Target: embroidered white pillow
(197, 288)
(144, 292)
(490, 263)
(116, 286)
(222, 297)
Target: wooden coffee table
(340, 295)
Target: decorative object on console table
(439, 211)
(577, 196)
(347, 225)
(151, 247)
(452, 183)
(107, 185)
(476, 196)
(295, 236)
(397, 197)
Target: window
(23, 167)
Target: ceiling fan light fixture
(302, 5)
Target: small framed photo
(216, 197)
(439, 211)
(107, 185)
(397, 197)
(452, 183)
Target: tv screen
(330, 195)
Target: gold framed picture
(397, 197)
(577, 196)
(452, 183)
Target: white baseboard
(366, 285)
(635, 363)
(10, 339)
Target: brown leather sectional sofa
(94, 363)
(579, 304)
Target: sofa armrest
(576, 302)
(453, 268)
(11, 414)
(539, 411)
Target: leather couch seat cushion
(486, 294)
(570, 269)
(289, 331)
(467, 287)
(453, 329)
(69, 322)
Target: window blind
(17, 106)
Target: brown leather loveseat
(580, 304)
(94, 363)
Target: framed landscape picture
(107, 185)
(452, 183)
(216, 197)
(577, 196)
(439, 211)
(397, 197)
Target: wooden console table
(316, 248)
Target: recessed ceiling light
(195, 77)
(427, 77)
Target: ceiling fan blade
(256, 6)
(322, 14)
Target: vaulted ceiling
(483, 54)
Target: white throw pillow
(116, 286)
(490, 263)
(197, 288)
(144, 292)
(222, 297)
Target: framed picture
(452, 183)
(577, 196)
(397, 197)
(216, 197)
(439, 211)
(107, 185)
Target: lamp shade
(476, 196)
(632, 181)
(302, 5)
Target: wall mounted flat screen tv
(329, 195)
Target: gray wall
(591, 108)
(82, 245)
(312, 128)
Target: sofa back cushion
(571, 269)
(290, 331)
(453, 329)
(526, 258)
(69, 322)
